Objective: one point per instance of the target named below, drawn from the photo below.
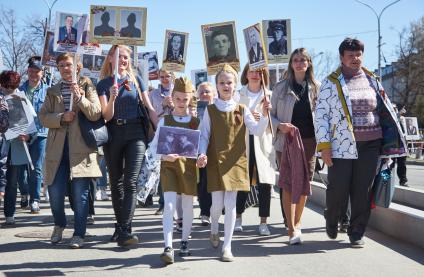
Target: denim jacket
(37, 102)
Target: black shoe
(159, 211)
(331, 231)
(24, 203)
(115, 233)
(184, 251)
(167, 256)
(403, 184)
(179, 226)
(125, 238)
(356, 241)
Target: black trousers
(352, 178)
(205, 198)
(124, 156)
(264, 195)
(401, 169)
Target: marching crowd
(246, 135)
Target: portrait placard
(181, 141)
(277, 40)
(118, 25)
(255, 46)
(152, 59)
(85, 46)
(21, 115)
(410, 125)
(143, 70)
(199, 76)
(175, 51)
(220, 44)
(49, 55)
(91, 66)
(68, 31)
(276, 73)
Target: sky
(318, 25)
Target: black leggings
(264, 195)
(124, 155)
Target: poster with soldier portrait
(255, 46)
(181, 141)
(410, 125)
(220, 44)
(91, 66)
(68, 31)
(277, 39)
(49, 55)
(175, 51)
(153, 64)
(199, 76)
(118, 25)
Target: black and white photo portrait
(175, 49)
(153, 64)
(220, 45)
(277, 36)
(131, 24)
(88, 61)
(105, 23)
(200, 77)
(254, 46)
(98, 62)
(181, 141)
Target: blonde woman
(120, 108)
(293, 101)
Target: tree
(409, 70)
(324, 63)
(15, 46)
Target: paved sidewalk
(255, 255)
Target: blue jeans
(12, 176)
(35, 177)
(102, 181)
(79, 189)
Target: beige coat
(83, 160)
(264, 150)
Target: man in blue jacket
(35, 90)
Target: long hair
(309, 75)
(107, 69)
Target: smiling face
(352, 59)
(206, 93)
(226, 85)
(124, 59)
(221, 45)
(34, 76)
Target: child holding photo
(177, 174)
(223, 149)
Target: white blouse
(255, 127)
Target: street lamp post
(379, 34)
(50, 6)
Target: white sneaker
(296, 238)
(238, 227)
(46, 195)
(104, 196)
(90, 219)
(57, 234)
(205, 220)
(263, 230)
(101, 195)
(76, 242)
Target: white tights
(170, 199)
(221, 199)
